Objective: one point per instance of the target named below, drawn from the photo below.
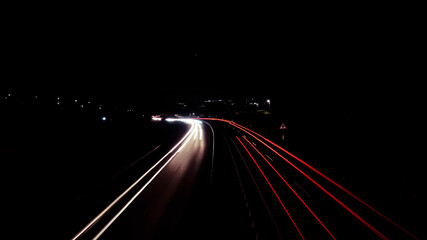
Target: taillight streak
(322, 188)
(274, 191)
(296, 194)
(247, 130)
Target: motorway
(223, 180)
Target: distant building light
(82, 106)
(75, 100)
(254, 104)
(104, 119)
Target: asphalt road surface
(222, 180)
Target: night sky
(328, 54)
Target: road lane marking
(246, 130)
(302, 201)
(134, 163)
(323, 189)
(271, 187)
(256, 187)
(213, 154)
(302, 189)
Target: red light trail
(321, 174)
(324, 190)
(274, 191)
(296, 194)
(335, 199)
(258, 137)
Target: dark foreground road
(222, 180)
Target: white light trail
(144, 187)
(186, 138)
